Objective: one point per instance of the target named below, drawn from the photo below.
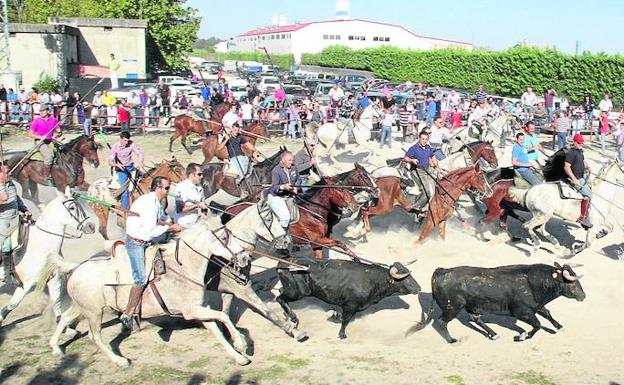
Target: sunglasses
(199, 173)
(166, 187)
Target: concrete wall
(40, 48)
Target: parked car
(125, 92)
(266, 81)
(296, 92)
(171, 79)
(237, 87)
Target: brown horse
(391, 193)
(210, 143)
(67, 169)
(172, 169)
(185, 125)
(448, 191)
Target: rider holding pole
(44, 130)
(421, 157)
(120, 158)
(284, 179)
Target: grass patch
(158, 375)
(531, 378)
(455, 379)
(268, 374)
(292, 363)
(34, 337)
(199, 363)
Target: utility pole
(5, 56)
(576, 48)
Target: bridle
(79, 216)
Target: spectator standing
(111, 108)
(603, 131)
(528, 100)
(246, 112)
(123, 116)
(23, 99)
(549, 103)
(481, 94)
(405, 123)
(563, 125)
(456, 118)
(445, 110)
(335, 99)
(13, 104)
(56, 99)
(386, 127)
(113, 67)
(165, 95)
(431, 110)
(4, 115)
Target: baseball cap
(578, 138)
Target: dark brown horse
(184, 125)
(210, 144)
(391, 194)
(67, 169)
(448, 191)
(172, 169)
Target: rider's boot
(47, 177)
(128, 317)
(583, 219)
(5, 269)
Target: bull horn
(394, 273)
(568, 277)
(575, 264)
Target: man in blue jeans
(150, 225)
(121, 158)
(521, 163)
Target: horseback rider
(575, 167)
(305, 161)
(532, 142)
(521, 163)
(439, 135)
(120, 158)
(236, 157)
(284, 181)
(44, 129)
(229, 119)
(421, 158)
(190, 196)
(10, 205)
(149, 226)
(197, 105)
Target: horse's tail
(55, 265)
(425, 319)
(518, 195)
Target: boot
(128, 317)
(584, 210)
(47, 178)
(7, 273)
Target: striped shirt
(13, 204)
(404, 117)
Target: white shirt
(197, 101)
(145, 226)
(246, 110)
(336, 94)
(455, 99)
(189, 194)
(438, 135)
(229, 119)
(528, 99)
(605, 105)
(477, 114)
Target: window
(283, 36)
(325, 37)
(375, 38)
(362, 38)
(387, 39)
(108, 29)
(337, 37)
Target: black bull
(352, 286)
(519, 291)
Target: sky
(488, 24)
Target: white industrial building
(313, 37)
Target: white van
(172, 79)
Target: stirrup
(130, 324)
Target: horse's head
(253, 223)
(171, 169)
(478, 181)
(66, 211)
(485, 151)
(341, 197)
(87, 147)
(360, 177)
(207, 241)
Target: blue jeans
(561, 139)
(136, 255)
(123, 178)
(530, 177)
(421, 111)
(15, 112)
(549, 114)
(386, 134)
(585, 189)
(292, 129)
(430, 120)
(279, 207)
(601, 138)
(87, 127)
(439, 154)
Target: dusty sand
(587, 351)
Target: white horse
(544, 201)
(93, 286)
(62, 218)
(496, 130)
(331, 135)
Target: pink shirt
(43, 127)
(279, 95)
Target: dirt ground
(168, 351)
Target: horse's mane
(152, 170)
(270, 160)
(70, 145)
(603, 170)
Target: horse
(330, 135)
(92, 287)
(211, 143)
(448, 191)
(185, 125)
(172, 169)
(391, 193)
(544, 201)
(495, 129)
(67, 169)
(62, 218)
(214, 178)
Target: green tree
(207, 44)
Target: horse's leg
(442, 229)
(102, 216)
(68, 317)
(34, 191)
(183, 141)
(95, 330)
(206, 315)
(175, 136)
(426, 230)
(532, 224)
(246, 294)
(56, 295)
(24, 182)
(18, 296)
(226, 302)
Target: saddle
(38, 157)
(122, 273)
(568, 192)
(293, 209)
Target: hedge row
(282, 60)
(505, 73)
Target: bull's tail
(425, 319)
(518, 195)
(55, 265)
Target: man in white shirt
(229, 118)
(605, 105)
(247, 113)
(141, 229)
(528, 100)
(439, 134)
(190, 196)
(335, 99)
(197, 105)
(454, 99)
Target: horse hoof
(243, 360)
(494, 337)
(240, 345)
(301, 336)
(71, 333)
(57, 351)
(521, 337)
